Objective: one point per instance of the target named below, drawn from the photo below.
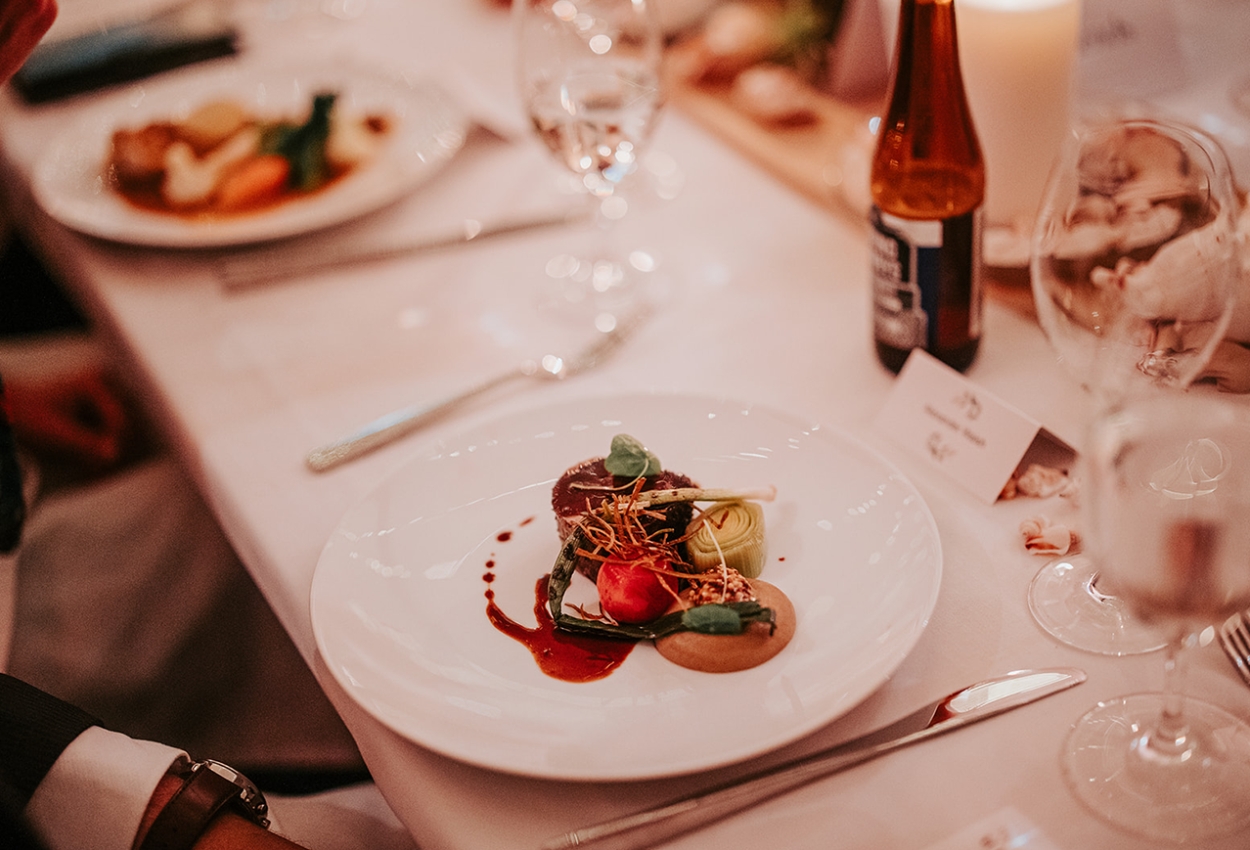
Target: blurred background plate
(70, 183)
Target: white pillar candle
(1018, 59)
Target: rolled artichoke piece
(731, 532)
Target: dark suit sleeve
(35, 728)
(12, 507)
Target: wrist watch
(208, 788)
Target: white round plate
(399, 608)
(69, 180)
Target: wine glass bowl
(589, 79)
(1167, 494)
(1134, 268)
(1135, 262)
(1168, 485)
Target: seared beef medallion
(584, 487)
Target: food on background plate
(687, 579)
(774, 94)
(734, 37)
(224, 160)
(740, 34)
(769, 55)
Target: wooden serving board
(811, 158)
(827, 159)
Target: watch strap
(179, 825)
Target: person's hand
(78, 416)
(22, 24)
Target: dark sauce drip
(570, 658)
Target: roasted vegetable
(707, 619)
(304, 145)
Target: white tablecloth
(765, 299)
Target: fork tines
(1235, 637)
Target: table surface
(764, 298)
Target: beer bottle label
(926, 277)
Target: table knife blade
(961, 708)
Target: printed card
(963, 430)
(1131, 49)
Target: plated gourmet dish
(224, 159)
(671, 562)
(401, 598)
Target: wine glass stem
(1170, 739)
(1091, 587)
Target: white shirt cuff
(97, 791)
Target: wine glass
(1167, 500)
(589, 78)
(1134, 271)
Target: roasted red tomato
(635, 591)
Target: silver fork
(397, 423)
(1235, 638)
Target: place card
(1131, 50)
(1006, 829)
(963, 430)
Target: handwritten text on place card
(962, 429)
(1131, 50)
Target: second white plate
(399, 608)
(69, 181)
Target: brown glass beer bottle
(928, 186)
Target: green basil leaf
(629, 458)
(304, 145)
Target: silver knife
(265, 265)
(977, 702)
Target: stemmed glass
(1134, 271)
(589, 78)
(1167, 500)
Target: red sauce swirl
(571, 658)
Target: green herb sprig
(629, 458)
(304, 145)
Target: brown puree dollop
(731, 653)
